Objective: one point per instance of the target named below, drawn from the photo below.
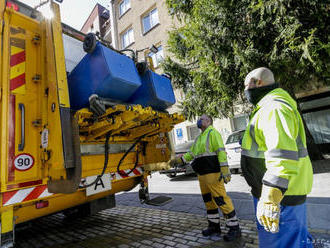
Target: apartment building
(98, 21)
(141, 24)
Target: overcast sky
(73, 12)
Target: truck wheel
(89, 43)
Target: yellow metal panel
(93, 164)
(62, 84)
(56, 162)
(2, 7)
(44, 104)
(4, 64)
(7, 219)
(21, 32)
(157, 166)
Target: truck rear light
(12, 5)
(42, 204)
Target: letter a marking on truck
(99, 182)
(104, 182)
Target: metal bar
(22, 144)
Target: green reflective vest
(274, 147)
(208, 152)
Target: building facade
(97, 22)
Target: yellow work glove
(268, 208)
(225, 174)
(176, 162)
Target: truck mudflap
(73, 172)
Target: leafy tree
(220, 41)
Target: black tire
(89, 43)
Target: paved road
(177, 224)
(124, 227)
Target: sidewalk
(125, 227)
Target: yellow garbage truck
(59, 152)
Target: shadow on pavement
(179, 178)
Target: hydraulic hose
(137, 154)
(126, 153)
(106, 160)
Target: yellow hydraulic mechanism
(132, 123)
(126, 123)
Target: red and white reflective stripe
(117, 176)
(23, 195)
(124, 173)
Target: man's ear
(259, 83)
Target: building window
(158, 57)
(127, 38)
(150, 20)
(124, 6)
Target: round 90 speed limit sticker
(23, 162)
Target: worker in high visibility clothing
(210, 164)
(275, 163)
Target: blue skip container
(103, 72)
(156, 91)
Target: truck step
(159, 200)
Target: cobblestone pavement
(125, 226)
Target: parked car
(233, 149)
(180, 150)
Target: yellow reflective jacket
(274, 149)
(208, 152)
